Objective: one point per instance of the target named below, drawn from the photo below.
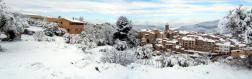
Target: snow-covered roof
(177, 46)
(146, 34)
(159, 39)
(143, 30)
(173, 41)
(74, 20)
(205, 39)
(224, 44)
(188, 38)
(159, 45)
(183, 32)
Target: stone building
(161, 41)
(171, 40)
(204, 44)
(223, 48)
(238, 53)
(72, 26)
(197, 43)
(187, 43)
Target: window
(73, 23)
(148, 41)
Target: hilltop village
(117, 43)
(193, 42)
(170, 40)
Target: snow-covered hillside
(30, 59)
(209, 26)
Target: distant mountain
(210, 26)
(139, 27)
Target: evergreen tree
(124, 31)
(237, 22)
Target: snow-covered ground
(29, 59)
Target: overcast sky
(139, 11)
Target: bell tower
(167, 27)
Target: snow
(172, 41)
(224, 44)
(35, 29)
(188, 38)
(236, 42)
(183, 32)
(74, 20)
(205, 39)
(29, 59)
(143, 30)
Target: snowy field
(29, 59)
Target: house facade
(223, 48)
(161, 41)
(72, 26)
(197, 43)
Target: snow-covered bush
(233, 61)
(81, 40)
(119, 57)
(1, 49)
(11, 23)
(40, 36)
(183, 60)
(100, 34)
(134, 40)
(144, 52)
(237, 22)
(36, 23)
(248, 36)
(49, 28)
(120, 45)
(246, 61)
(52, 29)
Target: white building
(223, 48)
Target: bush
(235, 61)
(119, 57)
(40, 36)
(11, 23)
(52, 29)
(1, 49)
(28, 32)
(144, 52)
(183, 60)
(120, 45)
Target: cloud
(142, 8)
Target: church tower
(167, 27)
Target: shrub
(119, 57)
